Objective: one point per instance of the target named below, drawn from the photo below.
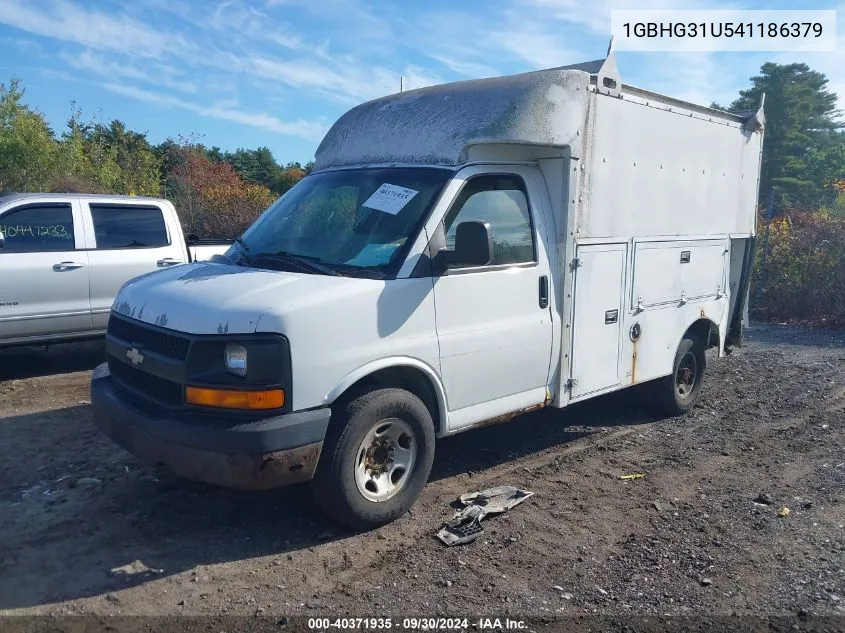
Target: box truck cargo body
(460, 254)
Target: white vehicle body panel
(598, 307)
(110, 268)
(643, 211)
(62, 295)
(492, 333)
(380, 320)
(44, 293)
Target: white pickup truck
(461, 253)
(63, 258)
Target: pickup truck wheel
(679, 391)
(376, 458)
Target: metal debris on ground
(633, 476)
(764, 498)
(465, 525)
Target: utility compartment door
(599, 289)
(666, 272)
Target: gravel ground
(85, 529)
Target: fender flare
(390, 362)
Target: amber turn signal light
(231, 399)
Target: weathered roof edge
(439, 123)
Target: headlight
(235, 358)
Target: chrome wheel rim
(385, 459)
(686, 375)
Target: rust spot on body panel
(247, 472)
(507, 417)
(634, 364)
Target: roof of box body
(437, 125)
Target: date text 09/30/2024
(417, 624)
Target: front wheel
(678, 392)
(376, 458)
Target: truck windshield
(357, 222)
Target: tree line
(218, 193)
(803, 162)
(800, 264)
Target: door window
(501, 201)
(38, 228)
(128, 226)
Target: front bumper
(268, 453)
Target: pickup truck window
(128, 226)
(501, 201)
(351, 221)
(38, 228)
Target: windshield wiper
(304, 261)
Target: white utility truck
(461, 253)
(64, 256)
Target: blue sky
(245, 73)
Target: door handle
(544, 292)
(167, 261)
(62, 266)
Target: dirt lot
(688, 538)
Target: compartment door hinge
(574, 264)
(570, 383)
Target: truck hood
(212, 298)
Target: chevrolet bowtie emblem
(135, 357)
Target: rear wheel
(376, 458)
(678, 392)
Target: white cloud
(346, 84)
(537, 47)
(693, 77)
(61, 20)
(25, 46)
(309, 130)
(595, 15)
(343, 52)
(96, 63)
(467, 68)
(831, 64)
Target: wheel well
(407, 378)
(705, 330)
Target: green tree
(215, 154)
(256, 166)
(94, 157)
(138, 166)
(84, 163)
(27, 147)
(291, 174)
(802, 145)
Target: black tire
(335, 484)
(678, 392)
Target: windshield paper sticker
(390, 198)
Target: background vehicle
(460, 254)
(63, 258)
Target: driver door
(494, 321)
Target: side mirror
(192, 239)
(473, 245)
